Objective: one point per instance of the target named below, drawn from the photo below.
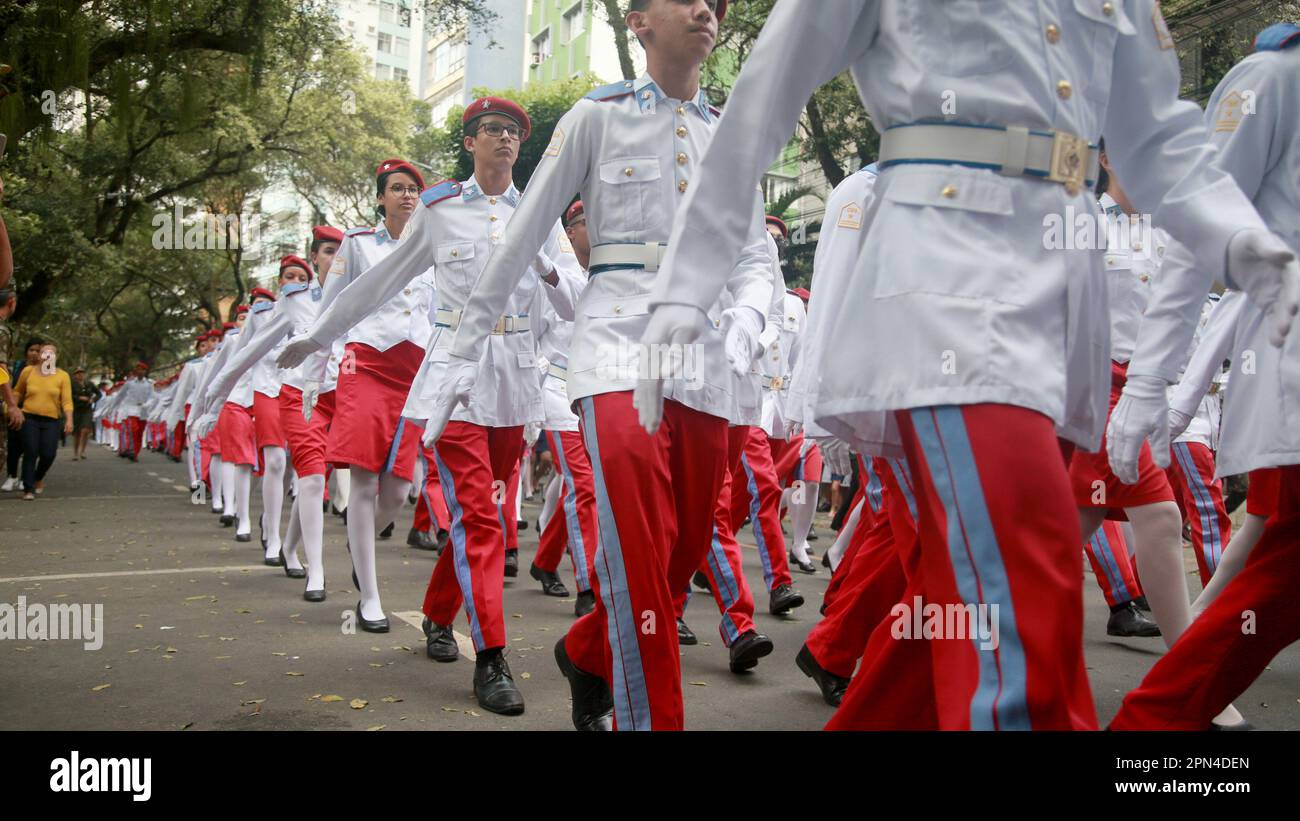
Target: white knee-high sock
(550, 501)
(361, 539)
(228, 489)
(272, 497)
(189, 466)
(392, 495)
(243, 486)
(293, 537)
(311, 492)
(803, 507)
(214, 479)
(1232, 561)
(846, 535)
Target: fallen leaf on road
(390, 700)
(294, 615)
(243, 610)
(166, 627)
(171, 650)
(226, 638)
(251, 701)
(698, 683)
(241, 683)
(330, 699)
(139, 627)
(220, 658)
(516, 615)
(476, 715)
(279, 654)
(450, 710)
(195, 598)
(375, 664)
(358, 703)
(187, 725)
(99, 687)
(376, 727)
(22, 649)
(525, 675)
(292, 673)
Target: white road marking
(237, 568)
(416, 619)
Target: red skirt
(238, 440)
(267, 430)
(1094, 484)
(368, 431)
(306, 439)
(1262, 494)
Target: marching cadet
(456, 228)
(180, 406)
(1216, 659)
(630, 150)
(997, 338)
(135, 393)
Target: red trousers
(1108, 553)
(998, 526)
(756, 490)
(656, 497)
(431, 509)
(871, 491)
(306, 440)
(1200, 498)
(474, 464)
(576, 528)
(131, 437)
(506, 504)
(178, 439)
(723, 563)
(1230, 643)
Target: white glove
(532, 430)
(310, 394)
(452, 382)
(837, 455)
(542, 264)
(793, 429)
(1178, 422)
(1142, 413)
(741, 327)
(669, 325)
(296, 353)
(205, 425)
(1263, 266)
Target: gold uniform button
(681, 159)
(681, 111)
(618, 309)
(627, 171)
(681, 186)
(493, 218)
(949, 191)
(1137, 246)
(1064, 89)
(455, 253)
(1144, 278)
(1108, 9)
(408, 313)
(647, 94)
(1053, 33)
(1110, 260)
(492, 200)
(681, 131)
(407, 291)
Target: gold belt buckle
(777, 382)
(500, 327)
(1069, 161)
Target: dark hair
(317, 243)
(36, 340)
(381, 183)
(1103, 178)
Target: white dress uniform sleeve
(1247, 151)
(264, 338)
(804, 44)
(370, 289)
(219, 388)
(199, 405)
(563, 296)
(183, 386)
(560, 174)
(1207, 360)
(316, 365)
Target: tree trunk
(816, 125)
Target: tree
(615, 15)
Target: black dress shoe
(1142, 604)
(512, 563)
(784, 599)
(831, 685)
(243, 537)
(812, 534)
(227, 521)
(585, 604)
(493, 685)
(748, 649)
(291, 572)
(387, 533)
(355, 582)
(375, 626)
(700, 580)
(443, 538)
(314, 595)
(344, 514)
(685, 635)
(806, 567)
(826, 561)
(522, 524)
(1127, 620)
(551, 584)
(439, 642)
(593, 703)
(420, 540)
(275, 561)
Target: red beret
(202, 337)
(261, 292)
(802, 293)
(395, 164)
(241, 309)
(295, 261)
(325, 233)
(574, 211)
(499, 105)
(227, 326)
(144, 365)
(780, 224)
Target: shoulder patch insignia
(610, 92)
(295, 288)
(557, 142)
(850, 217)
(1163, 37)
(356, 232)
(565, 245)
(1277, 37)
(442, 191)
(1232, 108)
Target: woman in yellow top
(44, 393)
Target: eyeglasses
(405, 190)
(497, 129)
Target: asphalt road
(198, 634)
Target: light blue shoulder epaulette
(442, 191)
(610, 92)
(295, 288)
(1277, 37)
(356, 232)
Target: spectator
(8, 402)
(44, 393)
(84, 396)
(14, 442)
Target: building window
(385, 43)
(542, 47)
(388, 12)
(575, 22)
(400, 74)
(448, 58)
(383, 72)
(443, 105)
(401, 47)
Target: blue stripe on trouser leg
(397, 444)
(875, 491)
(577, 547)
(903, 475)
(424, 489)
(463, 577)
(1001, 698)
(755, 523)
(1099, 547)
(1211, 538)
(631, 699)
(728, 590)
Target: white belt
(774, 383)
(508, 324)
(558, 371)
(645, 255)
(1055, 156)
